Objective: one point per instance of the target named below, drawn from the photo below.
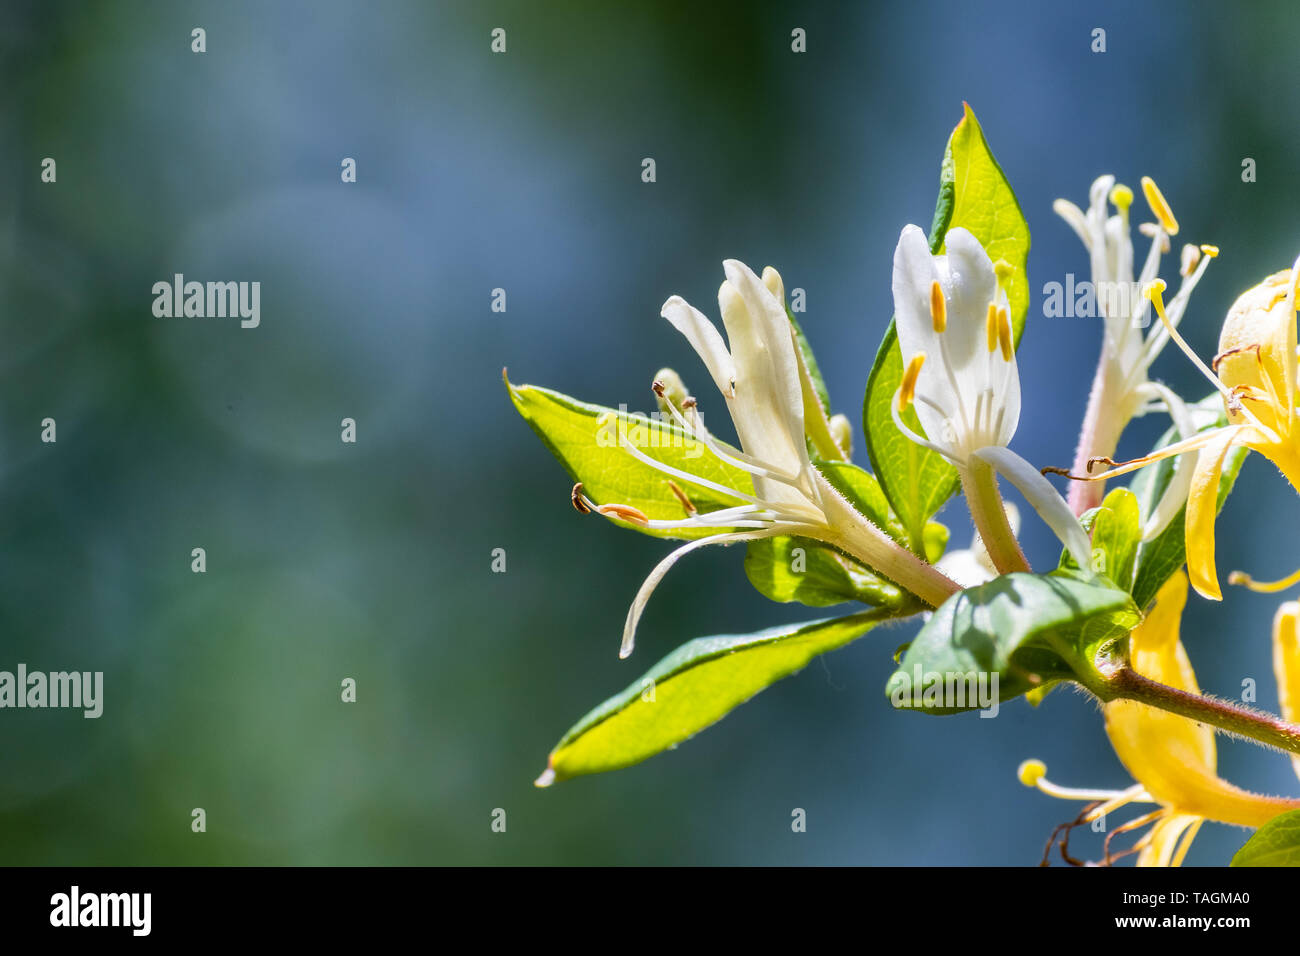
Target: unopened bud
(842, 432)
(669, 388)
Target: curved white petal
(1044, 499)
(1075, 218)
(1175, 493)
(970, 286)
(652, 580)
(915, 272)
(705, 339)
(768, 408)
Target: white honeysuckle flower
(759, 373)
(954, 330)
(1123, 389)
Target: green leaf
(1276, 843)
(1160, 557)
(973, 194)
(692, 688)
(822, 575)
(1030, 630)
(585, 439)
(1116, 528)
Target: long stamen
(1159, 336)
(701, 434)
(911, 435)
(667, 469)
(1263, 587)
(1175, 493)
(950, 369)
(1155, 291)
(737, 516)
(1124, 467)
(1033, 773)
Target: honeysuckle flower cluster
(943, 405)
(763, 382)
(1122, 388)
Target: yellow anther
(1031, 771)
(991, 326)
(907, 390)
(1122, 197)
(1191, 256)
(1155, 291)
(1211, 251)
(1004, 335)
(938, 307)
(1156, 200)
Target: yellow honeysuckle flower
(1286, 664)
(1255, 371)
(1173, 758)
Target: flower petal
(970, 285)
(1044, 499)
(1173, 757)
(1203, 508)
(915, 272)
(1169, 840)
(1286, 664)
(705, 339)
(768, 409)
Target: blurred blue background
(522, 171)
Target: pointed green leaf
(1029, 629)
(973, 194)
(585, 438)
(1160, 557)
(693, 687)
(1276, 843)
(1116, 530)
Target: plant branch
(1263, 728)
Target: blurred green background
(372, 561)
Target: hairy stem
(1097, 438)
(859, 537)
(980, 485)
(1264, 728)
